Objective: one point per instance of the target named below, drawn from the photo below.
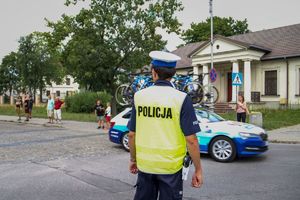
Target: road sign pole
(236, 93)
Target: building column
(247, 80)
(196, 72)
(205, 71)
(1, 99)
(235, 89)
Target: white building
(68, 87)
(269, 61)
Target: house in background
(68, 87)
(269, 61)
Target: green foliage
(112, 34)
(39, 63)
(85, 101)
(9, 74)
(225, 26)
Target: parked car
(224, 140)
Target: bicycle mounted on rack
(200, 94)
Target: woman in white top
(108, 115)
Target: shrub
(84, 102)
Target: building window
(58, 93)
(271, 82)
(68, 81)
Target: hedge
(84, 102)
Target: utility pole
(211, 34)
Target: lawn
(41, 112)
(272, 119)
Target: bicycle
(205, 94)
(125, 92)
(180, 81)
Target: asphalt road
(51, 163)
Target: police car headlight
(247, 135)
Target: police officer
(162, 126)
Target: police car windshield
(212, 117)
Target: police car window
(212, 117)
(127, 115)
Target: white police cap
(163, 59)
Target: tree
(39, 62)
(225, 26)
(9, 74)
(112, 34)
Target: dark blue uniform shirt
(188, 120)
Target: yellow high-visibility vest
(160, 142)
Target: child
(99, 112)
(108, 115)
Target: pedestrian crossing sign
(237, 79)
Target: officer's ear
(154, 75)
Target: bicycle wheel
(120, 95)
(128, 95)
(195, 91)
(211, 94)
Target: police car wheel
(222, 149)
(125, 141)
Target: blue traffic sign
(213, 75)
(237, 79)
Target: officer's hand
(197, 180)
(133, 168)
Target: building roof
(282, 42)
(184, 52)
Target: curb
(284, 142)
(30, 123)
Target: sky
(21, 17)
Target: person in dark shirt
(99, 112)
(30, 106)
(26, 107)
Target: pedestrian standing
(26, 107)
(163, 126)
(241, 109)
(99, 112)
(30, 106)
(57, 109)
(19, 106)
(108, 115)
(50, 108)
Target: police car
(223, 140)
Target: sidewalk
(70, 125)
(289, 134)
